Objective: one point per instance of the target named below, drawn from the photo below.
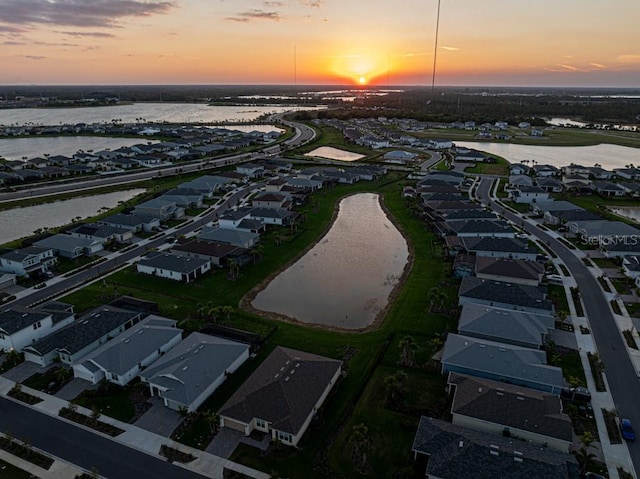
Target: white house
(170, 266)
(123, 358)
(529, 194)
(20, 327)
(32, 259)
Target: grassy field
(356, 397)
(552, 137)
(499, 168)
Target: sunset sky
(489, 42)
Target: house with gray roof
(102, 233)
(24, 261)
(190, 372)
(250, 170)
(501, 362)
(465, 214)
(500, 248)
(282, 396)
(313, 183)
(269, 199)
(123, 358)
(20, 327)
(603, 231)
(134, 223)
(550, 185)
(172, 266)
(518, 181)
(507, 295)
(217, 253)
(511, 270)
(499, 408)
(569, 216)
(273, 216)
(480, 228)
(456, 452)
(160, 208)
(529, 194)
(608, 189)
(519, 328)
(235, 237)
(183, 199)
(69, 246)
(627, 245)
(207, 185)
(541, 207)
(79, 338)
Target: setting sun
(362, 80)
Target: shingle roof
(189, 368)
(504, 324)
(17, 319)
(513, 363)
(506, 245)
(453, 215)
(512, 268)
(480, 226)
(283, 390)
(172, 262)
(504, 292)
(84, 331)
(511, 406)
(134, 345)
(230, 236)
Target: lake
(334, 154)
(608, 156)
(34, 146)
(345, 280)
(142, 112)
(630, 212)
(21, 222)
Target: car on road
(627, 430)
(554, 278)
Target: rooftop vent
(494, 453)
(461, 444)
(517, 459)
(286, 379)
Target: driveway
(72, 389)
(228, 439)
(24, 371)
(159, 419)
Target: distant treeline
(442, 105)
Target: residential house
(541, 207)
(134, 223)
(607, 189)
(217, 253)
(190, 372)
(480, 228)
(510, 411)
(271, 200)
(603, 231)
(507, 295)
(250, 170)
(171, 266)
(452, 452)
(122, 359)
(510, 270)
(273, 216)
(463, 265)
(184, 201)
(241, 238)
(439, 144)
(20, 327)
(72, 342)
(472, 214)
(159, 208)
(529, 194)
(501, 362)
(569, 216)
(469, 156)
(24, 261)
(282, 396)
(69, 246)
(500, 248)
(399, 157)
(550, 185)
(519, 328)
(102, 233)
(519, 169)
(631, 266)
(631, 173)
(545, 171)
(627, 245)
(519, 181)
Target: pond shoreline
(247, 300)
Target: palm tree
(408, 351)
(584, 457)
(211, 418)
(361, 443)
(394, 384)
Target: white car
(555, 278)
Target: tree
(212, 419)
(360, 444)
(61, 374)
(407, 351)
(584, 457)
(394, 384)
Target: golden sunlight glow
(362, 80)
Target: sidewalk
(616, 455)
(206, 464)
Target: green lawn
(557, 295)
(9, 471)
(356, 397)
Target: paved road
(621, 375)
(83, 277)
(84, 448)
(302, 134)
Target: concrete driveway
(24, 371)
(73, 388)
(159, 419)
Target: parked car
(554, 278)
(627, 430)
(593, 475)
(578, 394)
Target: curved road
(620, 372)
(302, 135)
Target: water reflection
(334, 154)
(345, 280)
(630, 212)
(21, 222)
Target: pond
(334, 154)
(607, 155)
(629, 212)
(346, 279)
(21, 222)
